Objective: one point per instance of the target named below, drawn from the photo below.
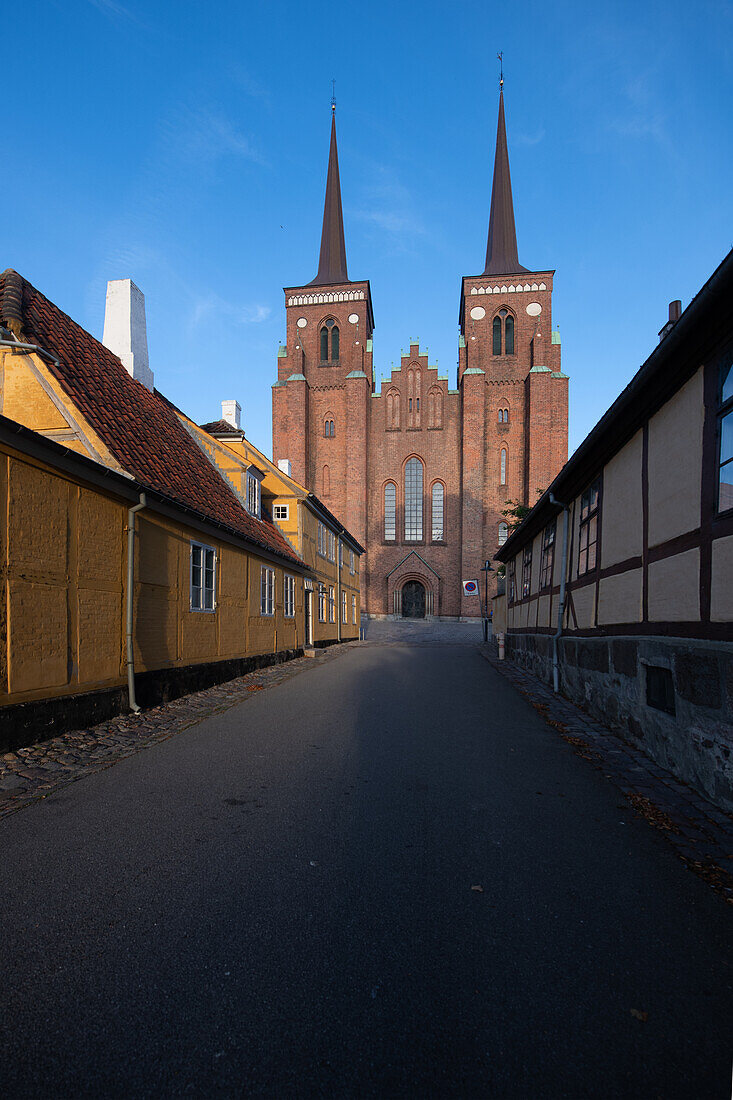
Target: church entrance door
(413, 600)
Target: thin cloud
(642, 118)
(113, 10)
(205, 135)
(207, 307)
(528, 139)
(388, 204)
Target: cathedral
(417, 471)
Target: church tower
(514, 396)
(321, 398)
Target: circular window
(302, 322)
(534, 309)
(353, 318)
(478, 313)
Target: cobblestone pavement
(35, 772)
(700, 833)
(421, 632)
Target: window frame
(511, 576)
(353, 609)
(724, 412)
(267, 592)
(204, 550)
(440, 537)
(391, 485)
(352, 570)
(586, 522)
(344, 608)
(547, 555)
(527, 571)
(503, 463)
(321, 603)
(331, 603)
(282, 508)
(254, 495)
(289, 596)
(414, 510)
(502, 535)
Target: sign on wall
(470, 588)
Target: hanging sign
(470, 588)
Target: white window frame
(331, 546)
(341, 554)
(267, 591)
(345, 608)
(254, 495)
(322, 541)
(351, 562)
(321, 603)
(331, 604)
(353, 609)
(289, 596)
(281, 513)
(202, 593)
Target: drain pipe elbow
(131, 512)
(561, 606)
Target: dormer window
(502, 333)
(329, 337)
(254, 495)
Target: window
(203, 577)
(725, 432)
(329, 340)
(437, 511)
(503, 533)
(321, 603)
(503, 416)
(351, 562)
(512, 580)
(413, 398)
(267, 591)
(547, 560)
(329, 430)
(341, 554)
(332, 604)
(289, 596)
(322, 542)
(502, 333)
(331, 546)
(526, 570)
(435, 408)
(502, 467)
(390, 512)
(253, 495)
(413, 500)
(660, 688)
(588, 534)
(393, 409)
(281, 512)
(353, 610)
(344, 607)
(326, 481)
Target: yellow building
(131, 565)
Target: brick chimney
(231, 411)
(125, 332)
(675, 312)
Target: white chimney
(284, 465)
(124, 329)
(231, 411)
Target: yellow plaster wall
(620, 598)
(584, 602)
(621, 505)
(674, 588)
(675, 461)
(721, 595)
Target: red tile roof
(140, 428)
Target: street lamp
(486, 569)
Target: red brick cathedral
(417, 471)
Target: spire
(332, 262)
(501, 250)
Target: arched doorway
(413, 600)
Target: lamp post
(486, 569)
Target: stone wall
(610, 678)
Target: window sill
(330, 363)
(203, 610)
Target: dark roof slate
(140, 428)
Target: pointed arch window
(329, 341)
(436, 513)
(502, 333)
(329, 428)
(393, 409)
(326, 481)
(413, 500)
(390, 512)
(503, 416)
(503, 533)
(502, 467)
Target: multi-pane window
(329, 340)
(289, 596)
(547, 559)
(203, 577)
(502, 333)
(267, 591)
(588, 533)
(503, 533)
(502, 466)
(341, 554)
(390, 512)
(503, 416)
(353, 610)
(332, 604)
(351, 562)
(321, 603)
(344, 607)
(253, 495)
(328, 429)
(526, 570)
(725, 476)
(413, 500)
(511, 576)
(438, 496)
(331, 546)
(322, 544)
(281, 512)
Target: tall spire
(501, 250)
(332, 262)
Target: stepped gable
(140, 428)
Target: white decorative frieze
(316, 299)
(519, 289)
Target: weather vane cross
(500, 56)
(333, 95)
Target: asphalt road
(279, 902)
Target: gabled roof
(222, 427)
(140, 428)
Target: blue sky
(184, 145)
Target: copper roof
(140, 428)
(332, 261)
(501, 250)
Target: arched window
(503, 416)
(390, 409)
(393, 409)
(390, 512)
(335, 343)
(503, 533)
(396, 412)
(329, 338)
(502, 467)
(413, 500)
(329, 429)
(503, 333)
(326, 481)
(436, 515)
(438, 421)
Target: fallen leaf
(643, 1016)
(478, 889)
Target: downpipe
(130, 600)
(561, 607)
